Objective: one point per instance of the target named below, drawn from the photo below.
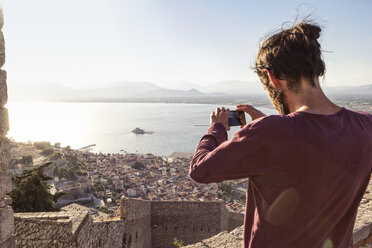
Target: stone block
(2, 49)
(6, 223)
(361, 232)
(8, 201)
(1, 17)
(4, 155)
(4, 121)
(9, 243)
(3, 87)
(5, 201)
(5, 184)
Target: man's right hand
(249, 109)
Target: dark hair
(291, 54)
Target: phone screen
(236, 118)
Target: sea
(174, 127)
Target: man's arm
(217, 159)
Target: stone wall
(186, 221)
(101, 234)
(136, 215)
(362, 234)
(152, 224)
(6, 212)
(67, 229)
(235, 220)
(42, 230)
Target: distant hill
(235, 87)
(148, 91)
(363, 90)
(126, 90)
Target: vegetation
(138, 165)
(74, 168)
(62, 172)
(31, 191)
(47, 151)
(177, 243)
(225, 190)
(26, 160)
(55, 156)
(106, 210)
(42, 145)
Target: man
(308, 168)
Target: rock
(4, 121)
(5, 184)
(2, 49)
(7, 223)
(3, 86)
(138, 130)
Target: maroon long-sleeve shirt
(307, 175)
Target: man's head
(291, 55)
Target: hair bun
(311, 31)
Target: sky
(92, 43)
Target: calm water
(109, 125)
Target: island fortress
(141, 224)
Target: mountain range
(146, 90)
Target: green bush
(42, 145)
(138, 166)
(31, 191)
(177, 243)
(26, 160)
(47, 151)
(55, 156)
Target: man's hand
(221, 115)
(253, 112)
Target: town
(99, 181)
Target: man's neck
(310, 99)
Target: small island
(138, 130)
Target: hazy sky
(85, 43)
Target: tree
(27, 159)
(138, 165)
(42, 144)
(55, 156)
(225, 190)
(47, 151)
(31, 191)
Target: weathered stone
(2, 49)
(6, 201)
(4, 155)
(7, 223)
(3, 87)
(4, 121)
(9, 243)
(5, 184)
(361, 232)
(1, 17)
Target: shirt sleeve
(217, 159)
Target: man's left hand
(221, 115)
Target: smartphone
(236, 118)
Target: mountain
(147, 91)
(118, 91)
(362, 90)
(169, 93)
(235, 87)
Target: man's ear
(275, 82)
